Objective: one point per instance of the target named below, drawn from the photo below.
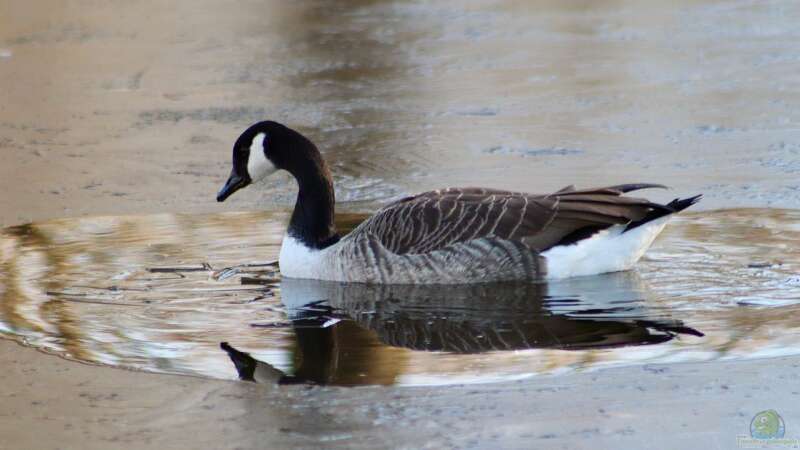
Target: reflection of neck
(312, 219)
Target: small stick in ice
(176, 269)
(254, 280)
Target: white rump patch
(609, 250)
(258, 166)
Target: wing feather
(434, 220)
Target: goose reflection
(331, 321)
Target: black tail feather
(670, 208)
(681, 204)
(630, 187)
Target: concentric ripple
(162, 292)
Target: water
(152, 293)
(140, 103)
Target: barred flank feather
(460, 235)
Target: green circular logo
(767, 425)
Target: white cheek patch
(258, 166)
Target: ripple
(162, 292)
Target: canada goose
(448, 236)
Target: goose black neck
(312, 219)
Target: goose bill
(234, 183)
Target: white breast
(609, 250)
(299, 261)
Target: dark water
(152, 293)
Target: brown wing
(433, 220)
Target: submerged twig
(260, 281)
(84, 298)
(273, 262)
(228, 272)
(224, 274)
(221, 289)
(205, 267)
(763, 265)
(112, 288)
(272, 325)
(180, 276)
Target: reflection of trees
(29, 243)
(339, 67)
(714, 269)
(80, 287)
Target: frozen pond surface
(134, 100)
(151, 293)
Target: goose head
(252, 157)
(263, 149)
(267, 147)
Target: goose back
(435, 220)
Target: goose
(452, 235)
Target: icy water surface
(153, 293)
(140, 102)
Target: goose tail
(677, 205)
